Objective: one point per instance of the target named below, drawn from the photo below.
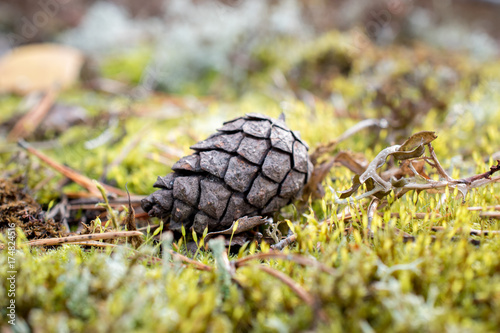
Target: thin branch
(93, 243)
(297, 289)
(495, 215)
(31, 120)
(486, 175)
(71, 239)
(416, 216)
(301, 260)
(454, 183)
(177, 256)
(284, 242)
(429, 186)
(198, 265)
(473, 232)
(473, 209)
(152, 228)
(482, 182)
(412, 168)
(437, 165)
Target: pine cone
(254, 165)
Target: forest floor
(413, 255)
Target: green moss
(128, 66)
(440, 282)
(9, 106)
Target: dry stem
(301, 260)
(297, 289)
(79, 238)
(284, 243)
(30, 121)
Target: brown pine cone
(253, 165)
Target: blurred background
(168, 44)
(118, 90)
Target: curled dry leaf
(412, 166)
(405, 155)
(355, 185)
(417, 140)
(243, 224)
(413, 147)
(379, 161)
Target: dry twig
(198, 265)
(301, 260)
(30, 121)
(79, 238)
(284, 242)
(473, 232)
(297, 289)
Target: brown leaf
(39, 67)
(355, 186)
(404, 155)
(418, 139)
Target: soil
(17, 206)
